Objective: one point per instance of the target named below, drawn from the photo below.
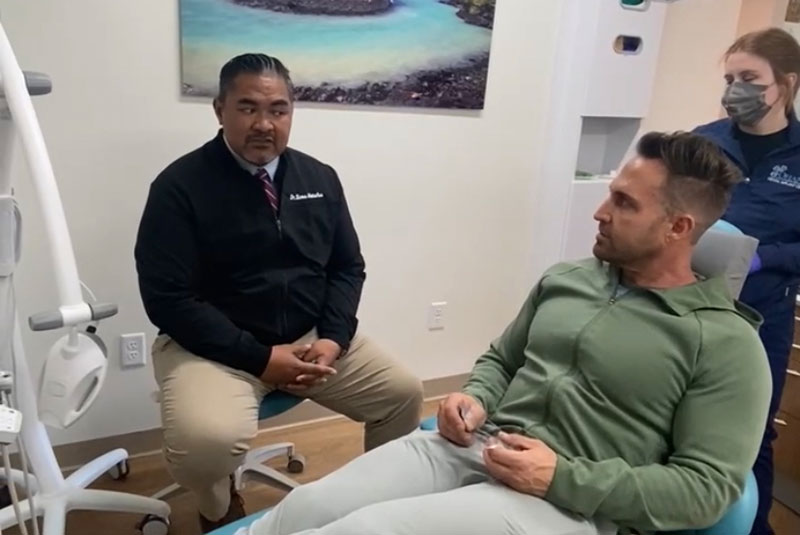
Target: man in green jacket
(631, 395)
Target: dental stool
(253, 467)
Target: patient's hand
(524, 464)
(460, 415)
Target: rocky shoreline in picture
(321, 7)
(456, 87)
(460, 86)
(477, 12)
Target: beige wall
(689, 79)
(758, 14)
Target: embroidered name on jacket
(779, 175)
(317, 195)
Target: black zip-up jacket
(227, 279)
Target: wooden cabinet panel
(787, 446)
(790, 402)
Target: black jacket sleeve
(167, 264)
(346, 277)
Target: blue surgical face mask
(745, 102)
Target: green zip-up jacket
(654, 400)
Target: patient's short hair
(700, 178)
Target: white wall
(443, 201)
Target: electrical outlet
(132, 350)
(436, 316)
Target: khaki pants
(209, 411)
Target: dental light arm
(72, 308)
(76, 364)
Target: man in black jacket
(250, 267)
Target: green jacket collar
(705, 294)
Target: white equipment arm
(14, 90)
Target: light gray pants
(418, 485)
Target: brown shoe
(235, 512)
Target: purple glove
(755, 265)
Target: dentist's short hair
(252, 64)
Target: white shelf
(605, 142)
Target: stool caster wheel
(297, 463)
(120, 471)
(154, 525)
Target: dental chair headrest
(725, 251)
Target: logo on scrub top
(305, 196)
(779, 175)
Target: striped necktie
(269, 188)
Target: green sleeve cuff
(562, 488)
(480, 396)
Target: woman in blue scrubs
(762, 136)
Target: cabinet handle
(793, 373)
(795, 346)
(778, 421)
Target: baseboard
(146, 442)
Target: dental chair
(722, 251)
(737, 521)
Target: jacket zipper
(285, 288)
(612, 300)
